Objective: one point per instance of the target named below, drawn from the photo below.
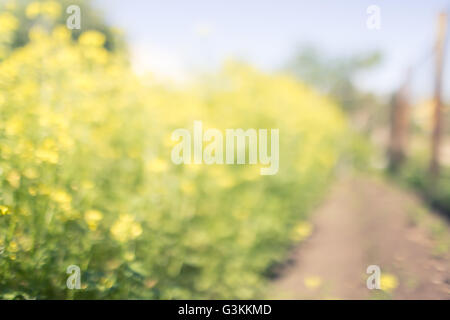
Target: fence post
(437, 115)
(399, 125)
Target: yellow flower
(388, 282)
(157, 165)
(313, 282)
(14, 126)
(49, 156)
(92, 38)
(136, 230)
(30, 173)
(87, 185)
(14, 179)
(8, 22)
(62, 198)
(187, 187)
(13, 247)
(302, 231)
(32, 191)
(92, 218)
(51, 9)
(126, 228)
(33, 10)
(61, 33)
(4, 210)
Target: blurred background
(357, 89)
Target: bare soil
(367, 221)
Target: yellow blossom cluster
(50, 8)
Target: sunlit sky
(175, 38)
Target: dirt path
(365, 221)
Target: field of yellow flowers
(86, 177)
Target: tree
(336, 78)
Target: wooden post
(399, 125)
(437, 115)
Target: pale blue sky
(175, 37)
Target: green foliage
(415, 173)
(337, 77)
